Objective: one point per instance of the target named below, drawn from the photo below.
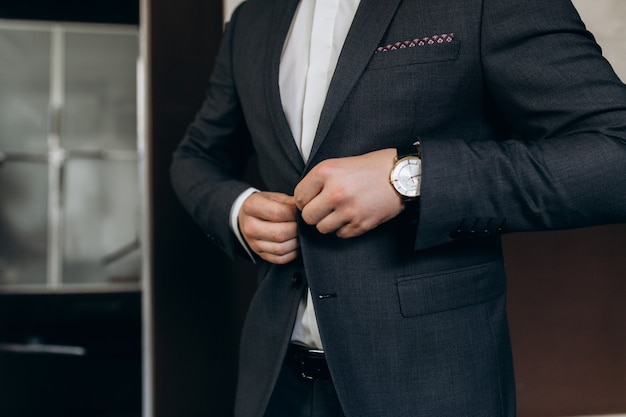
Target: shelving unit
(69, 158)
(71, 219)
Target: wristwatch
(406, 174)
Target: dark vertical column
(195, 328)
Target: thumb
(282, 198)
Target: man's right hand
(267, 221)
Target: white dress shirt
(308, 61)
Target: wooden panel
(567, 293)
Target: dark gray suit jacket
(523, 127)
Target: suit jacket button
(217, 242)
(296, 280)
(457, 234)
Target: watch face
(406, 176)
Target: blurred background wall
(606, 19)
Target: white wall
(229, 6)
(606, 19)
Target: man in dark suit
(397, 140)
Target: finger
(316, 210)
(265, 206)
(286, 211)
(259, 230)
(345, 224)
(307, 189)
(331, 223)
(282, 198)
(278, 249)
(351, 230)
(280, 260)
(277, 253)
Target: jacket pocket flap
(449, 290)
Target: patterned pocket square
(427, 40)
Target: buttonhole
(325, 296)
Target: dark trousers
(295, 397)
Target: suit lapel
(368, 28)
(281, 21)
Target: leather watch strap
(411, 204)
(410, 150)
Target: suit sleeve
(565, 165)
(209, 164)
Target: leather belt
(310, 364)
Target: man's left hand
(349, 196)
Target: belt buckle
(310, 363)
(304, 369)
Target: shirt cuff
(234, 223)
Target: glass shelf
(69, 166)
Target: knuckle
(299, 200)
(336, 195)
(307, 217)
(246, 228)
(280, 235)
(282, 213)
(283, 260)
(248, 203)
(277, 213)
(352, 214)
(326, 168)
(273, 214)
(322, 229)
(276, 237)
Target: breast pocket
(448, 51)
(449, 290)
